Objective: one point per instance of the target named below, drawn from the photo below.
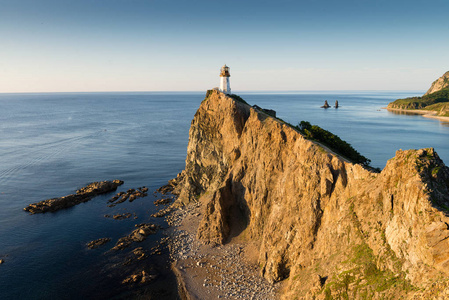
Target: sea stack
(326, 105)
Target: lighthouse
(225, 85)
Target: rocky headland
(256, 193)
(82, 195)
(439, 84)
(433, 104)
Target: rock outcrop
(439, 84)
(82, 195)
(97, 243)
(138, 235)
(328, 227)
(326, 105)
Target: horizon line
(201, 91)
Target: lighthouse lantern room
(225, 85)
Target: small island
(433, 104)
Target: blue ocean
(52, 144)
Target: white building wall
(225, 85)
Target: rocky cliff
(326, 227)
(439, 84)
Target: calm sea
(52, 144)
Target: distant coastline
(433, 104)
(425, 113)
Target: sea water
(53, 144)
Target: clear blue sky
(179, 45)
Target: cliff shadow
(238, 212)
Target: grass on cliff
(334, 142)
(364, 280)
(421, 102)
(441, 108)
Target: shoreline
(425, 113)
(226, 271)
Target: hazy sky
(180, 45)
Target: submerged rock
(138, 235)
(82, 195)
(131, 195)
(140, 277)
(97, 243)
(162, 201)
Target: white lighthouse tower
(225, 85)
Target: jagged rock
(140, 253)
(162, 201)
(82, 195)
(120, 216)
(170, 187)
(131, 195)
(138, 235)
(336, 103)
(269, 112)
(326, 105)
(439, 84)
(97, 243)
(313, 212)
(140, 277)
(163, 212)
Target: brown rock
(313, 211)
(439, 84)
(131, 194)
(140, 277)
(138, 235)
(97, 243)
(82, 195)
(162, 201)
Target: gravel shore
(229, 271)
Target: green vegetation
(331, 140)
(237, 98)
(422, 102)
(435, 171)
(365, 279)
(442, 108)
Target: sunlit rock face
(439, 84)
(324, 226)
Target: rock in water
(82, 195)
(326, 105)
(97, 243)
(336, 103)
(138, 235)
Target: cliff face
(439, 84)
(326, 226)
